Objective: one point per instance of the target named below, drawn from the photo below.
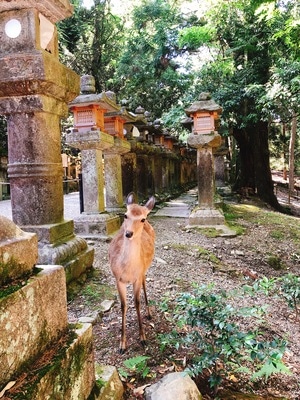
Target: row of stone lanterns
(105, 131)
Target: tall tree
(149, 69)
(244, 41)
(91, 42)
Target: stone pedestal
(113, 175)
(205, 213)
(34, 91)
(93, 221)
(33, 319)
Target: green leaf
(270, 368)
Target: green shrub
(209, 323)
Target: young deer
(130, 254)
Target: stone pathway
(180, 207)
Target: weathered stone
(206, 216)
(108, 380)
(91, 318)
(71, 377)
(55, 10)
(96, 225)
(106, 305)
(18, 251)
(212, 139)
(177, 385)
(113, 175)
(34, 91)
(30, 318)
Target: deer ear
(150, 203)
(130, 198)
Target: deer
(131, 253)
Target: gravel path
(185, 257)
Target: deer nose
(128, 234)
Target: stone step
(30, 318)
(70, 375)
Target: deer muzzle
(128, 234)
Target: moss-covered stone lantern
(34, 91)
(204, 137)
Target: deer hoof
(144, 343)
(121, 350)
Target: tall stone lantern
(34, 91)
(204, 137)
(88, 135)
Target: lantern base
(96, 225)
(210, 218)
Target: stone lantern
(88, 135)
(204, 137)
(34, 91)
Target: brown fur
(131, 253)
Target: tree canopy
(161, 55)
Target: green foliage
(275, 262)
(149, 69)
(136, 365)
(196, 36)
(91, 42)
(210, 321)
(290, 289)
(286, 287)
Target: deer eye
(143, 220)
(125, 216)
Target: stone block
(18, 251)
(71, 376)
(93, 224)
(108, 382)
(207, 217)
(31, 318)
(177, 385)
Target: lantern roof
(54, 10)
(100, 99)
(89, 97)
(122, 113)
(205, 103)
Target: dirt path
(185, 257)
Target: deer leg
(137, 294)
(146, 299)
(122, 294)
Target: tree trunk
(292, 156)
(263, 175)
(245, 162)
(255, 171)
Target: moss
(12, 286)
(51, 359)
(8, 268)
(6, 291)
(208, 255)
(276, 263)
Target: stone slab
(93, 224)
(171, 211)
(30, 318)
(207, 216)
(110, 385)
(72, 375)
(18, 251)
(177, 385)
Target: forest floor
(185, 257)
